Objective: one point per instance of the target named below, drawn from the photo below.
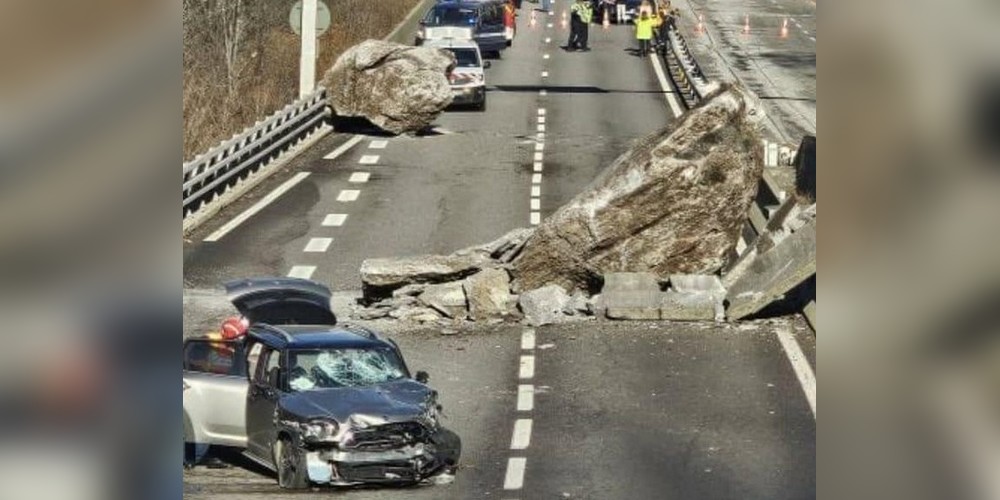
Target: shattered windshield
(466, 58)
(332, 368)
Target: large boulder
(446, 298)
(674, 203)
(380, 277)
(401, 89)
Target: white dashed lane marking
(359, 177)
(525, 397)
(380, 144)
(812, 38)
(539, 156)
(335, 220)
(368, 159)
(539, 146)
(528, 340)
(535, 218)
(536, 178)
(543, 92)
(304, 272)
(536, 191)
(541, 127)
(348, 195)
(514, 479)
(522, 434)
(344, 147)
(257, 207)
(545, 56)
(527, 369)
(545, 74)
(541, 111)
(538, 166)
(541, 119)
(536, 204)
(548, 40)
(318, 245)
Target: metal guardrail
(223, 167)
(684, 70)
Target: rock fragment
(543, 306)
(488, 293)
(380, 277)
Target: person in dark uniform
(581, 14)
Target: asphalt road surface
(621, 410)
(604, 410)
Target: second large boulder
(399, 88)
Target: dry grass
(223, 95)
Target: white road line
(807, 379)
(368, 159)
(257, 207)
(536, 178)
(335, 220)
(549, 25)
(528, 340)
(380, 144)
(541, 119)
(538, 166)
(541, 111)
(539, 156)
(545, 74)
(545, 56)
(527, 369)
(548, 40)
(812, 38)
(536, 218)
(359, 177)
(304, 272)
(348, 195)
(522, 434)
(541, 127)
(514, 479)
(540, 136)
(539, 146)
(525, 397)
(543, 92)
(344, 147)
(318, 245)
(675, 107)
(805, 32)
(536, 204)
(536, 191)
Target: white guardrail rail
(227, 165)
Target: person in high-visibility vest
(509, 21)
(580, 16)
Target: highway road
(602, 410)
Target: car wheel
(482, 104)
(291, 466)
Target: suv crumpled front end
(388, 445)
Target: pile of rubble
(649, 239)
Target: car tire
(291, 466)
(482, 104)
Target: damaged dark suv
(332, 404)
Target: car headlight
(319, 430)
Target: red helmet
(234, 327)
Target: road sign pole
(307, 58)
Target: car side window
(212, 356)
(270, 360)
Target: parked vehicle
(468, 79)
(321, 403)
(448, 19)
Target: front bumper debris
(411, 463)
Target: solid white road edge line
(675, 107)
(257, 207)
(514, 478)
(804, 372)
(344, 147)
(522, 434)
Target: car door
(262, 401)
(215, 392)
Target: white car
(468, 79)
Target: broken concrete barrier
(687, 306)
(380, 277)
